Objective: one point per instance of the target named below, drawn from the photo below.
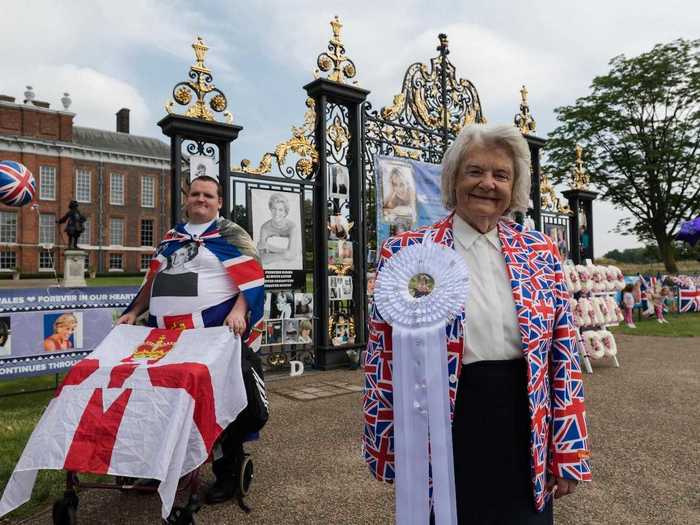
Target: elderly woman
(516, 395)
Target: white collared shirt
(491, 330)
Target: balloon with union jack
(17, 184)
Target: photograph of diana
(276, 226)
(62, 332)
(304, 305)
(202, 166)
(398, 193)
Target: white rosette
(417, 292)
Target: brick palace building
(121, 182)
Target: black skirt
(491, 443)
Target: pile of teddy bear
(593, 312)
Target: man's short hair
(207, 178)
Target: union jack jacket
(558, 433)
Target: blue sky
(109, 55)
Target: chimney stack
(123, 120)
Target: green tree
(640, 130)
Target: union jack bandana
(234, 249)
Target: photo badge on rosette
(418, 290)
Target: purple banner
(44, 331)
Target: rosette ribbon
(422, 428)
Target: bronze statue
(74, 224)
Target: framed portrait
(305, 336)
(398, 193)
(333, 253)
(276, 223)
(282, 305)
(202, 166)
(273, 333)
(345, 253)
(345, 288)
(304, 305)
(290, 331)
(340, 181)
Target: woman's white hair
(507, 136)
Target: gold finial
(580, 176)
(335, 59)
(200, 51)
(200, 85)
(336, 25)
(524, 121)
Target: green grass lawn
(115, 281)
(679, 325)
(20, 414)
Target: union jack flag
(689, 300)
(558, 431)
(17, 184)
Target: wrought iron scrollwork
(201, 148)
(337, 134)
(209, 98)
(302, 143)
(431, 109)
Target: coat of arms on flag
(146, 403)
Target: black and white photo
(339, 181)
(276, 225)
(202, 166)
(304, 305)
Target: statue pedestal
(74, 269)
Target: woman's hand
(562, 486)
(127, 318)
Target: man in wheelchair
(206, 272)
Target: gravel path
(643, 420)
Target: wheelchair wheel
(246, 478)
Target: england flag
(146, 403)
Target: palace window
(147, 232)
(116, 231)
(83, 185)
(148, 192)
(8, 226)
(45, 260)
(116, 261)
(47, 183)
(116, 189)
(8, 260)
(85, 237)
(145, 261)
(47, 228)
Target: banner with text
(46, 330)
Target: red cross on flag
(146, 403)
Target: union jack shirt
(558, 432)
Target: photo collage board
(276, 222)
(341, 247)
